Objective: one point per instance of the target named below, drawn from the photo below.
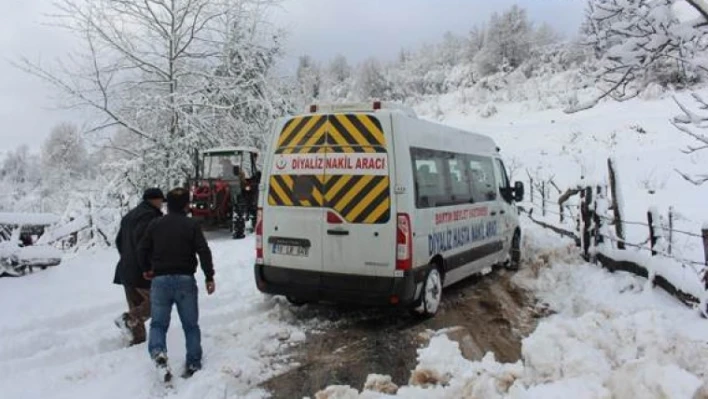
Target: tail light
(259, 237)
(404, 242)
(333, 218)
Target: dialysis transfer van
(369, 204)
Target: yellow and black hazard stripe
(303, 135)
(359, 199)
(338, 132)
(296, 190)
(354, 133)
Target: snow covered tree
(638, 42)
(452, 49)
(309, 77)
(545, 35)
(507, 42)
(65, 166)
(475, 43)
(337, 79)
(371, 81)
(20, 166)
(64, 150)
(20, 180)
(174, 75)
(687, 123)
(339, 70)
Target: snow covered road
(57, 338)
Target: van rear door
(294, 222)
(360, 230)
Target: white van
(369, 204)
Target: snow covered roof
(219, 150)
(362, 107)
(28, 219)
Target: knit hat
(153, 193)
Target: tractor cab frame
(224, 190)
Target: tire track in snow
(492, 310)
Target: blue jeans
(182, 291)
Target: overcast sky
(321, 28)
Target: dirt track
(496, 313)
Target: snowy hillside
(638, 134)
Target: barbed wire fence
(591, 221)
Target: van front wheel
(431, 295)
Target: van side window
(460, 189)
(446, 178)
(429, 179)
(503, 181)
(484, 187)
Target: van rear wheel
(431, 295)
(515, 252)
(295, 301)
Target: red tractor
(224, 191)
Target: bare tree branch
(701, 7)
(700, 179)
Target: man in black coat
(128, 273)
(168, 256)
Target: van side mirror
(518, 191)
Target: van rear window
(335, 161)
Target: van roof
(374, 106)
(229, 150)
(452, 139)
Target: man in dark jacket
(168, 256)
(128, 273)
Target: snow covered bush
(686, 123)
(488, 111)
(637, 42)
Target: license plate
(290, 250)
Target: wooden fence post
(543, 198)
(531, 187)
(671, 228)
(586, 218)
(617, 220)
(598, 221)
(652, 234)
(90, 218)
(704, 233)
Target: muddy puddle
(492, 311)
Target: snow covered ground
(609, 337)
(57, 338)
